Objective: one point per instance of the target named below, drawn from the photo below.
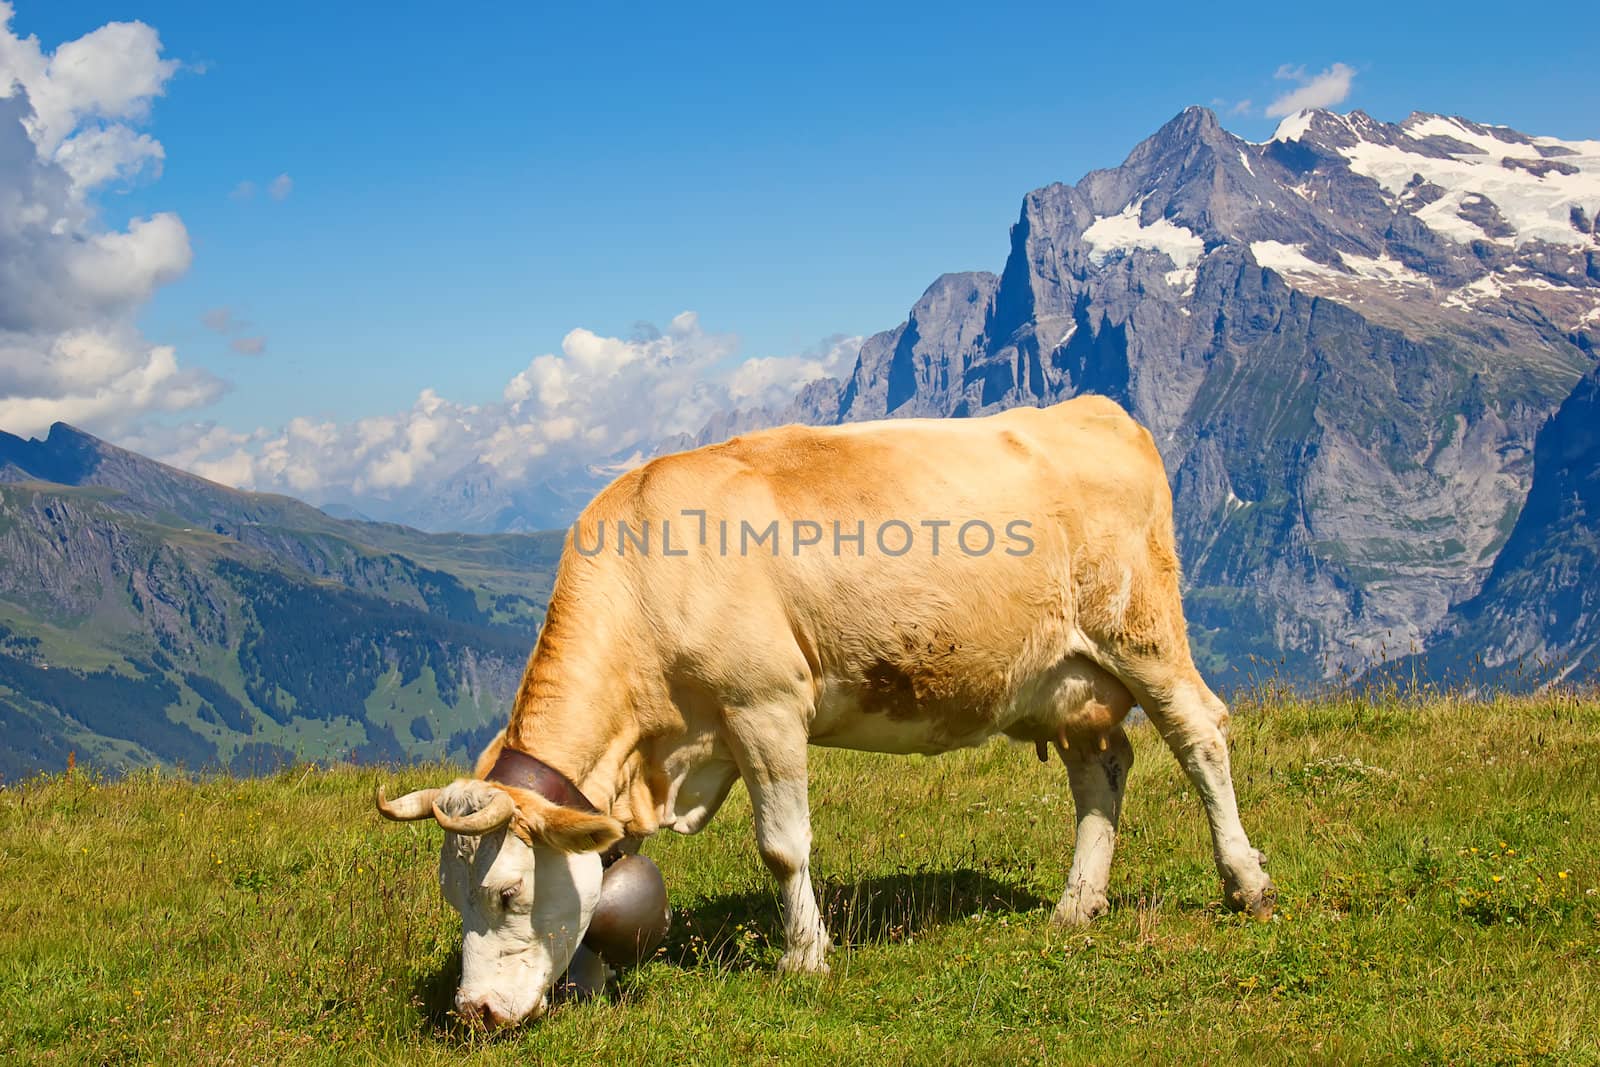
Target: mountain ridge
(149, 615)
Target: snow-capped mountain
(1509, 218)
(1345, 339)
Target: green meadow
(1438, 863)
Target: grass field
(1438, 866)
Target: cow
(901, 586)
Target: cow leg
(771, 751)
(1193, 722)
(1099, 780)
(783, 834)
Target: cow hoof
(1257, 903)
(1078, 908)
(1260, 909)
(810, 960)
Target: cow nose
(479, 1011)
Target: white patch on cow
(1119, 603)
(842, 722)
(860, 731)
(696, 791)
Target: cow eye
(507, 896)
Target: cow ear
(580, 831)
(539, 822)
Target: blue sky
(466, 184)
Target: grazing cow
(899, 586)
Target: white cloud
(1319, 90)
(771, 381)
(596, 399)
(126, 268)
(105, 153)
(98, 379)
(85, 93)
(278, 189)
(1231, 107)
(70, 288)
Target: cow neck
(521, 770)
(573, 679)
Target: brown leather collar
(522, 771)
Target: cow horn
(482, 821)
(412, 806)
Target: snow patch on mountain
(1124, 232)
(1384, 268)
(1516, 281)
(1288, 259)
(1293, 127)
(1470, 295)
(1513, 191)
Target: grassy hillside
(1437, 862)
(131, 634)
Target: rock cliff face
(1344, 339)
(1537, 618)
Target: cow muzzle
(489, 1013)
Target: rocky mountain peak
(1191, 127)
(71, 457)
(1468, 182)
(67, 455)
(1344, 338)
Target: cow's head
(525, 875)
